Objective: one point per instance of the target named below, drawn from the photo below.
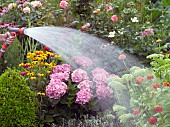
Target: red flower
(152, 120)
(158, 108)
(150, 77)
(155, 86)
(139, 80)
(136, 112)
(46, 48)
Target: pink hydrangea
(56, 91)
(100, 76)
(63, 4)
(83, 61)
(62, 68)
(99, 71)
(103, 91)
(66, 68)
(63, 76)
(85, 85)
(79, 75)
(83, 97)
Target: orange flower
(166, 83)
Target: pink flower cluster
(64, 4)
(61, 72)
(79, 75)
(56, 89)
(147, 32)
(82, 61)
(84, 95)
(103, 91)
(100, 77)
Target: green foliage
(11, 58)
(145, 94)
(161, 65)
(17, 101)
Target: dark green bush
(17, 101)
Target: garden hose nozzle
(17, 30)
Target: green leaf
(48, 119)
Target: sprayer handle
(5, 45)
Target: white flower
(134, 19)
(26, 10)
(112, 34)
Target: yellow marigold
(48, 53)
(33, 78)
(52, 54)
(40, 74)
(52, 64)
(41, 63)
(159, 40)
(41, 93)
(57, 56)
(34, 62)
(48, 71)
(46, 64)
(21, 64)
(31, 73)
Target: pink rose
(109, 9)
(63, 4)
(114, 18)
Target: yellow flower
(159, 40)
(21, 64)
(33, 78)
(30, 73)
(40, 74)
(48, 71)
(57, 56)
(41, 93)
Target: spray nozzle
(17, 30)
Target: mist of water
(71, 43)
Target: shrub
(17, 101)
